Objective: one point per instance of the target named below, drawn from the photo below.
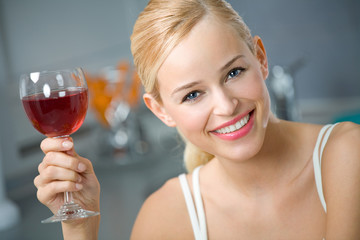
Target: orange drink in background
(120, 84)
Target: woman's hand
(62, 169)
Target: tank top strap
(317, 157)
(197, 215)
(199, 202)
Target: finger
(38, 181)
(57, 145)
(64, 160)
(54, 173)
(41, 167)
(49, 192)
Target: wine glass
(56, 103)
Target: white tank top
(197, 215)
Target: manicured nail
(67, 144)
(78, 186)
(81, 167)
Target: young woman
(251, 175)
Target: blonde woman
(250, 174)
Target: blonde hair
(160, 28)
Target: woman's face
(213, 89)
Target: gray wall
(41, 34)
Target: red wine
(62, 113)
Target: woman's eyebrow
(185, 86)
(228, 64)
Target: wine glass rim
(36, 74)
(58, 71)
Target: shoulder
(341, 180)
(344, 142)
(342, 151)
(345, 128)
(341, 156)
(163, 214)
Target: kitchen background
(313, 50)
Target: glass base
(70, 211)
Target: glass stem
(68, 198)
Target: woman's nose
(224, 103)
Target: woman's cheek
(192, 119)
(257, 92)
(196, 120)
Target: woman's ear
(260, 54)
(158, 109)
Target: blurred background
(314, 58)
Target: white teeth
(232, 128)
(227, 129)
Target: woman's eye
(234, 73)
(191, 96)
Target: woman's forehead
(209, 45)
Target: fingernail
(81, 167)
(78, 186)
(67, 144)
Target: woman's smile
(236, 128)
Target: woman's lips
(236, 128)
